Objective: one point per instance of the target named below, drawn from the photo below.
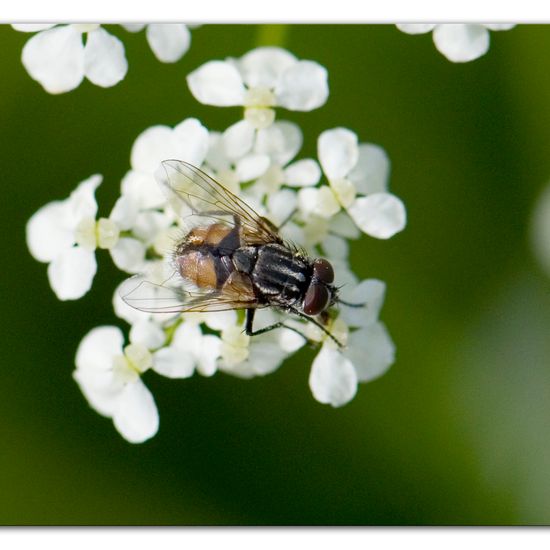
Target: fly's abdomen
(203, 256)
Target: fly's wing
(164, 297)
(200, 195)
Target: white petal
(371, 351)
(338, 152)
(281, 141)
(369, 292)
(499, 26)
(136, 417)
(372, 170)
(343, 273)
(32, 27)
(94, 373)
(81, 203)
(263, 67)
(332, 379)
(191, 141)
(281, 205)
(149, 224)
(209, 351)
(49, 232)
(302, 173)
(187, 141)
(125, 212)
(72, 272)
(216, 157)
(98, 348)
(289, 340)
(264, 357)
(415, 28)
(55, 58)
(379, 215)
(461, 42)
(151, 147)
(142, 189)
(217, 83)
(169, 41)
(326, 204)
(130, 314)
(173, 362)
(104, 60)
(129, 255)
(133, 27)
(342, 225)
(335, 247)
(237, 139)
(148, 333)
(100, 389)
(303, 87)
(219, 320)
(252, 167)
(187, 338)
(293, 233)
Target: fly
(235, 259)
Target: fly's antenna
(364, 304)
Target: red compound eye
(317, 299)
(323, 270)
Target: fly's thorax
(281, 275)
(244, 258)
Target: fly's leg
(250, 332)
(317, 324)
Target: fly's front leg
(317, 324)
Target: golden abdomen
(198, 267)
(199, 260)
(211, 234)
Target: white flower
(368, 352)
(58, 58)
(63, 234)
(260, 80)
(357, 175)
(169, 41)
(187, 141)
(458, 42)
(189, 350)
(248, 356)
(110, 378)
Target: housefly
(233, 258)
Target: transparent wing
(164, 297)
(203, 196)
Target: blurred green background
(457, 432)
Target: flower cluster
(458, 42)
(60, 56)
(319, 203)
